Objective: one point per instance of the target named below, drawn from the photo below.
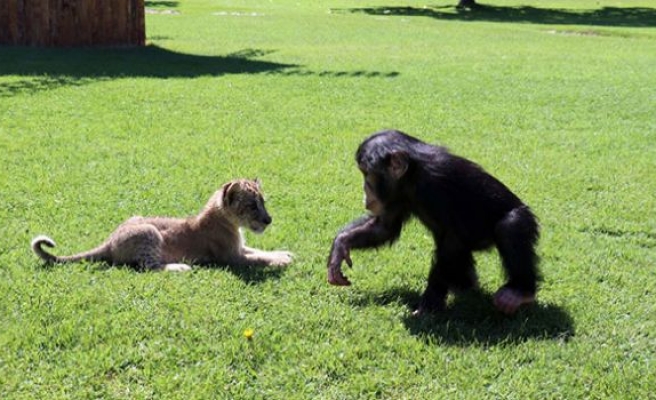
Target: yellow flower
(248, 334)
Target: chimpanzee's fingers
(335, 277)
(338, 280)
(344, 280)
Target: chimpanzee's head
(384, 160)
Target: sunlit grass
(562, 112)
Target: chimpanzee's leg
(452, 268)
(516, 235)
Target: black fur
(464, 207)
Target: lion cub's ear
(228, 193)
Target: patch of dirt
(237, 14)
(163, 12)
(575, 33)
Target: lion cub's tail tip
(43, 240)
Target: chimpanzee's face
(372, 200)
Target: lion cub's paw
(281, 258)
(177, 267)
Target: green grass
(554, 97)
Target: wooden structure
(72, 22)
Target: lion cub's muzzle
(260, 225)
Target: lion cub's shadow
(248, 274)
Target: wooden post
(72, 22)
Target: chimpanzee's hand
(340, 252)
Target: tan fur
(211, 237)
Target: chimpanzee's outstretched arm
(367, 232)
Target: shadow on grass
(641, 238)
(163, 4)
(46, 69)
(471, 319)
(247, 274)
(606, 16)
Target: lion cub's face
(244, 198)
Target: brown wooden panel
(72, 22)
(8, 28)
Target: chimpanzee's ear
(398, 164)
(227, 195)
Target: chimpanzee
(464, 207)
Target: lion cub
(212, 237)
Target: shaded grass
(89, 137)
(634, 17)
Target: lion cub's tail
(96, 254)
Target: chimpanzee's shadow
(471, 319)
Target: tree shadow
(47, 68)
(51, 68)
(637, 17)
(166, 4)
(471, 319)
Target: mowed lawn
(556, 98)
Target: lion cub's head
(245, 201)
